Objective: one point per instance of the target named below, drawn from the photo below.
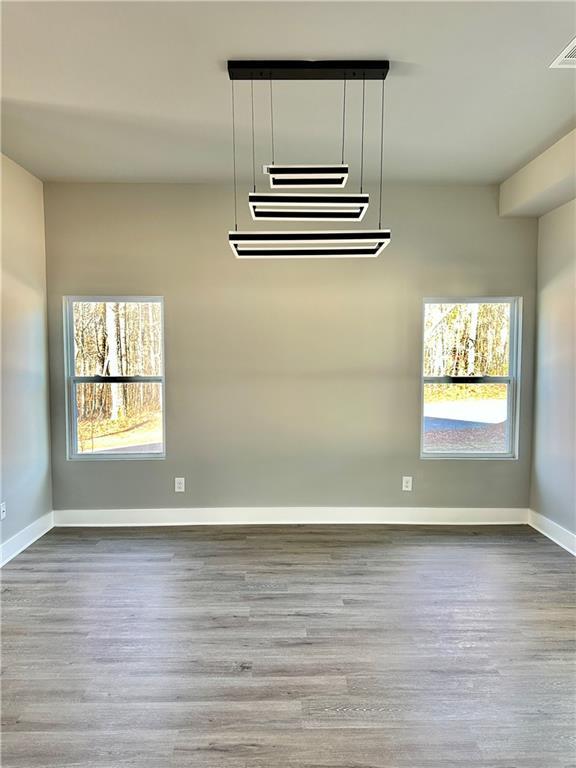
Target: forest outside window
(470, 378)
(115, 377)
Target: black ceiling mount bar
(309, 70)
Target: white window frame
(72, 380)
(513, 379)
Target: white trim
(556, 533)
(24, 538)
(290, 516)
(286, 516)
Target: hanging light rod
(302, 207)
(309, 70)
(335, 244)
(294, 176)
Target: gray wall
(25, 473)
(554, 467)
(289, 383)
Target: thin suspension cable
(272, 119)
(343, 120)
(362, 144)
(234, 157)
(381, 155)
(253, 151)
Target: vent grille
(567, 58)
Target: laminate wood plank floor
(289, 647)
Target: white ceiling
(138, 91)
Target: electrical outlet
(3, 510)
(407, 483)
(179, 484)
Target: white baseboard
(286, 516)
(20, 541)
(559, 535)
(290, 516)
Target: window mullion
(467, 379)
(117, 379)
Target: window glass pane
(467, 339)
(466, 418)
(119, 418)
(117, 338)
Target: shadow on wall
(25, 466)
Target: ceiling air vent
(567, 58)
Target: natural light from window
(115, 377)
(469, 378)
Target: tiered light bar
(309, 245)
(309, 176)
(301, 207)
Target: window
(115, 377)
(470, 378)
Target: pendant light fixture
(302, 206)
(334, 243)
(295, 176)
(284, 207)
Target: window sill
(468, 457)
(124, 457)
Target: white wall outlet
(407, 483)
(179, 484)
(3, 511)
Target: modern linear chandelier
(283, 204)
